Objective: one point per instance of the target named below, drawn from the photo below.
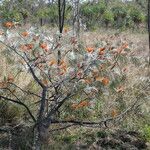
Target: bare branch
(20, 103)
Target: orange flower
(10, 78)
(25, 34)
(125, 45)
(29, 46)
(52, 62)
(105, 81)
(101, 53)
(102, 49)
(66, 30)
(83, 104)
(99, 78)
(26, 47)
(120, 49)
(43, 45)
(89, 49)
(62, 62)
(8, 24)
(63, 67)
(74, 106)
(114, 113)
(45, 82)
(80, 105)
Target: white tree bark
(76, 17)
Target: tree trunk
(36, 139)
(41, 136)
(61, 12)
(41, 22)
(76, 18)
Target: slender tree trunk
(39, 130)
(149, 26)
(76, 18)
(36, 140)
(41, 136)
(41, 22)
(61, 12)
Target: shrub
(146, 132)
(70, 84)
(136, 15)
(120, 15)
(108, 17)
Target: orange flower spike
(90, 49)
(25, 34)
(45, 82)
(114, 113)
(102, 49)
(10, 78)
(29, 46)
(52, 62)
(99, 78)
(83, 104)
(101, 53)
(74, 106)
(62, 62)
(120, 49)
(105, 81)
(66, 30)
(43, 45)
(8, 24)
(64, 67)
(125, 45)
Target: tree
(56, 83)
(61, 15)
(149, 26)
(76, 17)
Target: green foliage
(91, 14)
(108, 17)
(13, 15)
(120, 15)
(136, 15)
(146, 132)
(101, 134)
